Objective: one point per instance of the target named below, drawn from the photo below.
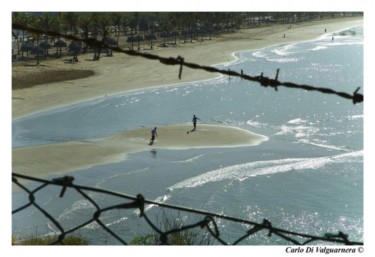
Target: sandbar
(121, 74)
(53, 159)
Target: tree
(143, 26)
(43, 23)
(70, 19)
(100, 27)
(22, 19)
(84, 23)
(117, 21)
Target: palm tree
(101, 25)
(22, 19)
(85, 23)
(43, 23)
(70, 19)
(116, 21)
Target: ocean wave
(245, 171)
(297, 131)
(323, 145)
(283, 60)
(253, 123)
(190, 160)
(355, 117)
(285, 50)
(297, 121)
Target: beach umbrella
(45, 45)
(38, 51)
(110, 42)
(131, 39)
(59, 44)
(75, 47)
(26, 47)
(164, 35)
(139, 39)
(150, 37)
(175, 34)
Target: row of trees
(118, 28)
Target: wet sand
(122, 73)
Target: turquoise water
(307, 177)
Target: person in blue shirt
(153, 135)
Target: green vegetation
(47, 240)
(176, 235)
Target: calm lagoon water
(308, 176)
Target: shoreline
(59, 158)
(112, 72)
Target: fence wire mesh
(208, 222)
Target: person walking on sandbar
(153, 135)
(195, 118)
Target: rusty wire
(179, 61)
(208, 221)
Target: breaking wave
(244, 171)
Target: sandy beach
(65, 157)
(122, 73)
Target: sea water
(307, 177)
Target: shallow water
(308, 177)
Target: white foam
(297, 121)
(297, 131)
(254, 123)
(245, 171)
(333, 147)
(356, 117)
(190, 160)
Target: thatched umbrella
(131, 39)
(38, 51)
(110, 42)
(150, 37)
(138, 38)
(174, 34)
(45, 45)
(75, 47)
(26, 47)
(59, 44)
(164, 35)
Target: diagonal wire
(262, 80)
